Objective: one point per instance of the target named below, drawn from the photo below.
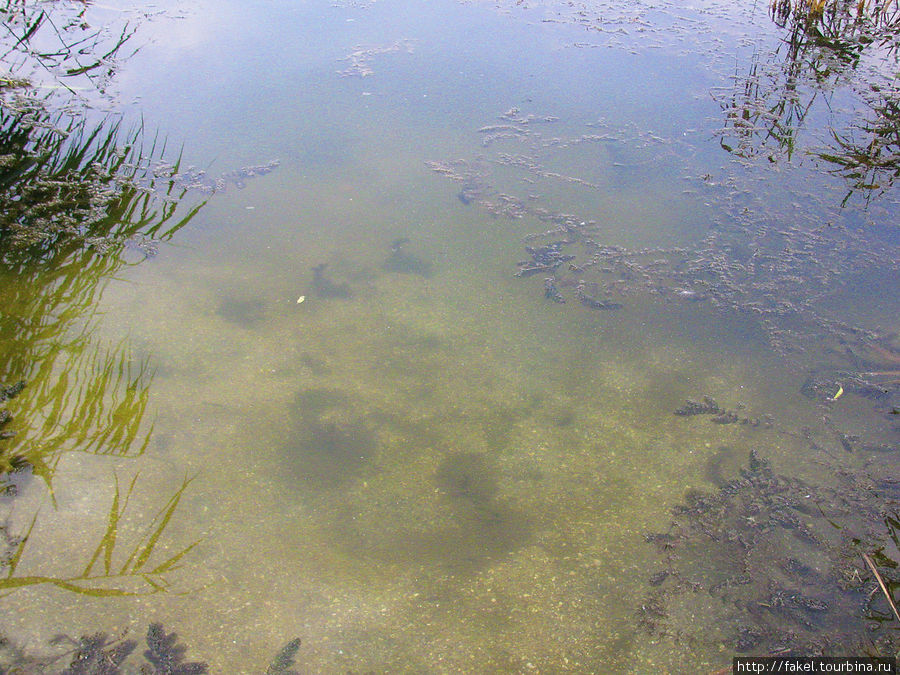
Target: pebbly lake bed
(449, 336)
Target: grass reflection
(79, 201)
(57, 38)
(867, 156)
(84, 398)
(141, 573)
(823, 45)
(65, 183)
(842, 27)
(74, 200)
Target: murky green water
(427, 464)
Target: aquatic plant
(7, 393)
(96, 654)
(100, 654)
(796, 567)
(166, 656)
(285, 659)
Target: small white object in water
(301, 299)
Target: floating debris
(361, 58)
(199, 180)
(552, 292)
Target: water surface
(427, 464)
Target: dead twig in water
(881, 583)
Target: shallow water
(427, 465)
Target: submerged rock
(707, 407)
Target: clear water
(427, 465)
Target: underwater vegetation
(100, 654)
(747, 264)
(8, 464)
(402, 261)
(775, 564)
(796, 568)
